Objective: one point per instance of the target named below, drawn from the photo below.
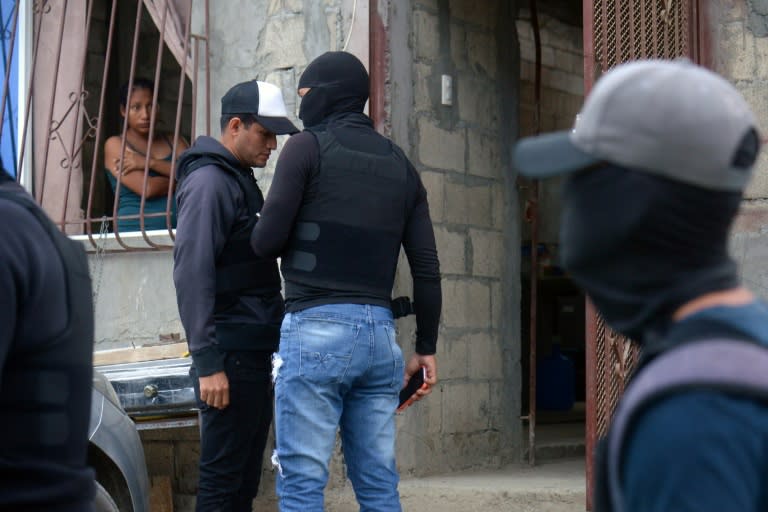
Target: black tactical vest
(238, 270)
(350, 226)
(45, 390)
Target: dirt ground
(550, 487)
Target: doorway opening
(549, 101)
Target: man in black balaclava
(658, 160)
(46, 355)
(343, 201)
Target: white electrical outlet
(447, 90)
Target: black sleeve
(297, 161)
(11, 284)
(207, 209)
(33, 293)
(420, 248)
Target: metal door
(617, 31)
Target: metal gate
(617, 31)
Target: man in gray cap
(658, 160)
(229, 299)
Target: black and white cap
(262, 100)
(669, 118)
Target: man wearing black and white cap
(658, 160)
(229, 299)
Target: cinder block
(485, 357)
(737, 52)
(482, 52)
(466, 407)
(505, 404)
(453, 358)
(500, 218)
(459, 50)
(428, 4)
(524, 30)
(434, 183)
(441, 149)
(456, 202)
(451, 248)
(469, 11)
(468, 303)
(527, 51)
(761, 50)
(484, 154)
(475, 103)
(752, 219)
(498, 298)
(281, 46)
(424, 81)
(426, 35)
(752, 254)
(548, 57)
(561, 36)
(479, 204)
(455, 305)
(479, 297)
(487, 252)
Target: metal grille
(63, 62)
(629, 30)
(617, 31)
(616, 358)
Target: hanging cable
(351, 25)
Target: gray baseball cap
(670, 118)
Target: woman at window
(136, 107)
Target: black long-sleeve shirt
(295, 177)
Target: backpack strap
(726, 365)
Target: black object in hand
(415, 383)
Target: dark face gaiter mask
(338, 82)
(641, 245)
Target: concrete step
(556, 441)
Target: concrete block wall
(561, 96)
(461, 151)
(276, 43)
(738, 37)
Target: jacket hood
(206, 151)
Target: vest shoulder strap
(728, 365)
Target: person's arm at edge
(421, 251)
(297, 159)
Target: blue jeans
(341, 367)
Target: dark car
(115, 453)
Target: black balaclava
(642, 245)
(339, 83)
